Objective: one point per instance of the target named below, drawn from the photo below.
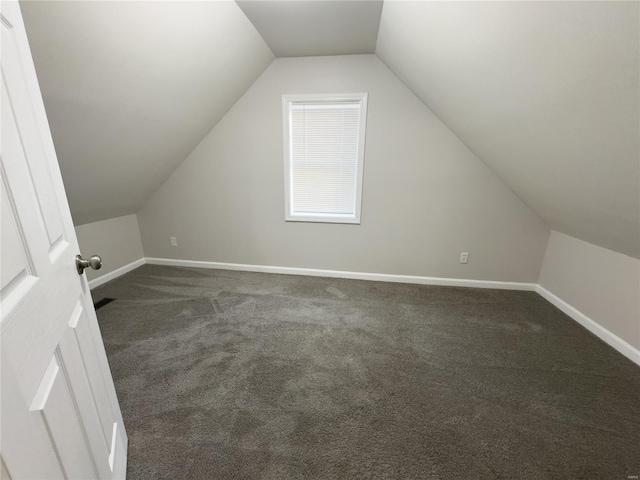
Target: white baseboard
(594, 327)
(377, 277)
(616, 342)
(96, 282)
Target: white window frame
(286, 122)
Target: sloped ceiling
(131, 88)
(545, 93)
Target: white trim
(48, 379)
(605, 335)
(594, 327)
(377, 277)
(112, 454)
(96, 282)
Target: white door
(60, 415)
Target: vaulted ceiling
(545, 93)
(131, 88)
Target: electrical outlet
(464, 257)
(174, 242)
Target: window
(324, 156)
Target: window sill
(322, 219)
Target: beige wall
(116, 240)
(602, 284)
(426, 197)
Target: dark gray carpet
(233, 375)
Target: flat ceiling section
(312, 27)
(131, 88)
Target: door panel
(22, 108)
(83, 338)
(60, 414)
(95, 411)
(14, 260)
(26, 445)
(56, 404)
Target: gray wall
(131, 88)
(116, 240)
(602, 284)
(545, 93)
(426, 197)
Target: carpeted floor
(233, 375)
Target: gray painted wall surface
(545, 93)
(131, 88)
(601, 283)
(116, 240)
(426, 197)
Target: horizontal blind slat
(324, 153)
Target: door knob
(94, 262)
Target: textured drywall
(116, 240)
(426, 197)
(131, 88)
(547, 94)
(602, 284)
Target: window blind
(324, 158)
